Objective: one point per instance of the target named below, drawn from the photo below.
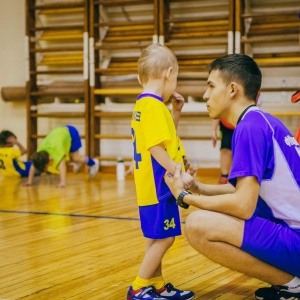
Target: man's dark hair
(4, 135)
(240, 68)
(40, 160)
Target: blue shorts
(276, 244)
(75, 139)
(160, 221)
(22, 172)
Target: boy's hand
(177, 101)
(188, 168)
(61, 185)
(26, 183)
(11, 141)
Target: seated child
(10, 152)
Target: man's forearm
(212, 189)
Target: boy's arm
(214, 133)
(31, 174)
(163, 158)
(12, 140)
(129, 171)
(62, 173)
(177, 105)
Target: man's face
(216, 96)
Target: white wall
(12, 69)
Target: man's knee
(207, 226)
(197, 226)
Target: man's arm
(240, 202)
(212, 189)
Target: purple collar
(150, 95)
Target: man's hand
(175, 183)
(188, 180)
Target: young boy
(156, 150)
(60, 145)
(10, 164)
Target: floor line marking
(67, 215)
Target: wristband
(179, 200)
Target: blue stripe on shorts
(75, 138)
(276, 244)
(162, 220)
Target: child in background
(226, 131)
(156, 150)
(10, 152)
(60, 145)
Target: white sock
(293, 285)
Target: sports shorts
(162, 220)
(75, 138)
(273, 243)
(226, 137)
(23, 172)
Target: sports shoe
(170, 292)
(275, 293)
(93, 170)
(143, 293)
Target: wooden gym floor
(85, 242)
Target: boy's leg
(76, 157)
(150, 273)
(219, 237)
(93, 164)
(155, 251)
(160, 237)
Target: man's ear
(233, 88)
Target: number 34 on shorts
(169, 224)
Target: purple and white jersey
(263, 147)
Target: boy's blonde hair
(155, 59)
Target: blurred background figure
(226, 132)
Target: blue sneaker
(144, 293)
(170, 292)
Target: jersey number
(137, 157)
(169, 224)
